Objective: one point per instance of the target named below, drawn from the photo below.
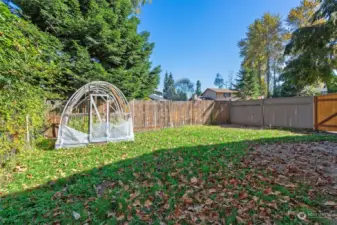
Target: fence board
(326, 112)
(295, 112)
(149, 115)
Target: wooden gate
(326, 112)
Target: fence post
(316, 113)
(144, 113)
(262, 112)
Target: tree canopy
(219, 81)
(296, 56)
(101, 39)
(198, 91)
(261, 49)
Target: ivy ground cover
(190, 175)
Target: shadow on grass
(185, 185)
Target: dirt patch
(312, 163)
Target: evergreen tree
(312, 48)
(101, 38)
(171, 91)
(247, 84)
(198, 91)
(230, 79)
(219, 81)
(166, 87)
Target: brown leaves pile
(311, 163)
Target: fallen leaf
(147, 203)
(187, 200)
(208, 202)
(243, 195)
(239, 219)
(76, 215)
(57, 194)
(120, 217)
(111, 214)
(194, 180)
(330, 203)
(136, 203)
(267, 191)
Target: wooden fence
(294, 112)
(326, 112)
(153, 115)
(149, 115)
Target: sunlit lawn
(185, 175)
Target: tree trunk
(260, 78)
(274, 79)
(268, 74)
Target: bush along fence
(15, 138)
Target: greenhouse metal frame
(97, 112)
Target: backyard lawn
(190, 175)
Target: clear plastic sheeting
(97, 112)
(72, 138)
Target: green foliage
(262, 48)
(101, 40)
(169, 90)
(332, 85)
(30, 71)
(184, 85)
(301, 15)
(312, 48)
(247, 84)
(16, 102)
(219, 81)
(177, 91)
(198, 91)
(28, 55)
(166, 85)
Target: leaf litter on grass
(199, 177)
(311, 163)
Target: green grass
(177, 176)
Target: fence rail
(292, 112)
(295, 112)
(149, 115)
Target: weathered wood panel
(149, 115)
(153, 115)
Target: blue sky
(198, 38)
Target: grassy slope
(156, 178)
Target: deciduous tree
(219, 81)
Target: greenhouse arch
(97, 112)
